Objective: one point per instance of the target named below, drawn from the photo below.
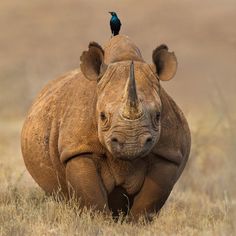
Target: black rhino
(109, 131)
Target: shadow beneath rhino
(120, 202)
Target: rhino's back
(59, 117)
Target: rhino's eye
(156, 120)
(103, 116)
(105, 121)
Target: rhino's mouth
(130, 151)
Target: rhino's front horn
(132, 106)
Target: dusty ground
(41, 40)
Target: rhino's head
(129, 106)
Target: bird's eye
(103, 116)
(158, 115)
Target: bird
(115, 23)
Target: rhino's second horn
(132, 106)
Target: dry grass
(202, 203)
(28, 212)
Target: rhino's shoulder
(67, 106)
(175, 136)
(172, 114)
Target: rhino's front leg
(82, 177)
(157, 186)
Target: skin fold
(108, 132)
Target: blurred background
(41, 40)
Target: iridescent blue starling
(114, 23)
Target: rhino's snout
(146, 140)
(131, 148)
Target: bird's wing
(111, 24)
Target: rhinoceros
(109, 132)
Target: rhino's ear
(165, 62)
(92, 65)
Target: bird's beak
(110, 12)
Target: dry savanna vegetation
(43, 39)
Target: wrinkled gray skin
(109, 132)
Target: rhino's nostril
(114, 140)
(149, 140)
